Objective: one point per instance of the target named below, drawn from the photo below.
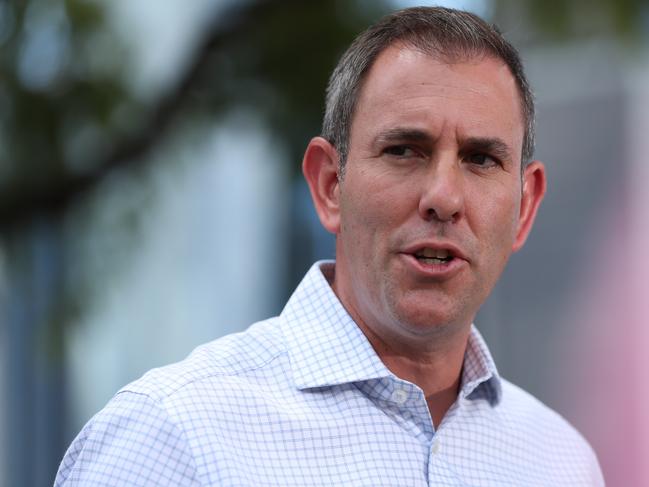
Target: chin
(429, 320)
(422, 312)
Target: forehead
(476, 97)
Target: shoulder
(522, 408)
(233, 356)
(540, 429)
(151, 422)
(131, 441)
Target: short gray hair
(444, 33)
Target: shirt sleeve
(132, 441)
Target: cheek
(505, 218)
(375, 206)
(357, 226)
(497, 221)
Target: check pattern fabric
(303, 400)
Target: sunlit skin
(434, 162)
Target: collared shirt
(303, 400)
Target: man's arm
(132, 441)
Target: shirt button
(435, 448)
(399, 396)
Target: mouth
(431, 256)
(435, 260)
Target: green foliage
(553, 21)
(53, 99)
(277, 64)
(71, 117)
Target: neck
(436, 369)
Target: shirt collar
(324, 344)
(326, 347)
(480, 378)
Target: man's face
(431, 204)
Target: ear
(534, 184)
(320, 169)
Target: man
(373, 374)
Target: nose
(442, 192)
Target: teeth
(434, 253)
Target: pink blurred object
(608, 372)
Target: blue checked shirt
(303, 400)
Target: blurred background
(151, 200)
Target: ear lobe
(320, 169)
(534, 185)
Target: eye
(482, 160)
(400, 151)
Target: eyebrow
(401, 134)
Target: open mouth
(433, 256)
